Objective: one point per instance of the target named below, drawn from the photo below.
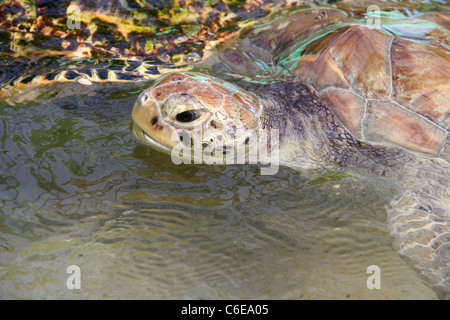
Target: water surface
(77, 189)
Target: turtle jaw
(149, 126)
(143, 137)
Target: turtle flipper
(421, 225)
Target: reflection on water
(76, 189)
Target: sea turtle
(346, 96)
(344, 93)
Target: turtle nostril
(144, 97)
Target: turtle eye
(187, 116)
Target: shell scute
(357, 58)
(386, 121)
(348, 107)
(421, 79)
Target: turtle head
(187, 103)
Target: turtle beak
(149, 126)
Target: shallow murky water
(77, 189)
